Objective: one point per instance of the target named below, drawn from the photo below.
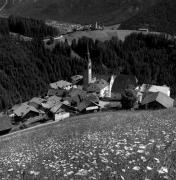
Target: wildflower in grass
(136, 168)
(82, 172)
(149, 168)
(163, 170)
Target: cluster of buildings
(84, 93)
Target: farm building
(25, 111)
(154, 88)
(122, 82)
(5, 124)
(90, 103)
(61, 85)
(157, 100)
(50, 102)
(36, 102)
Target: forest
(27, 27)
(26, 68)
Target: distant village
(83, 94)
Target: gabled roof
(56, 107)
(76, 78)
(60, 84)
(159, 97)
(154, 88)
(24, 109)
(57, 92)
(37, 100)
(122, 82)
(5, 123)
(97, 86)
(51, 101)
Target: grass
(112, 145)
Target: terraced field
(112, 145)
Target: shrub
(129, 99)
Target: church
(106, 85)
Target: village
(84, 94)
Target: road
(4, 5)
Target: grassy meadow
(120, 145)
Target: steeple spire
(89, 66)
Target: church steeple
(89, 66)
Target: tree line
(26, 68)
(27, 26)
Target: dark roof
(159, 97)
(75, 92)
(105, 77)
(122, 82)
(56, 92)
(5, 123)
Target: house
(76, 96)
(157, 100)
(25, 111)
(51, 101)
(36, 102)
(145, 88)
(56, 92)
(122, 82)
(5, 124)
(61, 116)
(90, 103)
(61, 85)
(101, 87)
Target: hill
(79, 11)
(115, 145)
(161, 17)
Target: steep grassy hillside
(161, 17)
(121, 145)
(80, 11)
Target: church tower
(89, 67)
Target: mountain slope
(79, 11)
(161, 17)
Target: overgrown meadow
(113, 145)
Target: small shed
(157, 100)
(5, 124)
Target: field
(103, 35)
(121, 145)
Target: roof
(90, 99)
(56, 107)
(75, 92)
(97, 86)
(24, 109)
(5, 123)
(154, 88)
(105, 77)
(51, 101)
(60, 84)
(36, 100)
(122, 82)
(159, 97)
(76, 78)
(57, 92)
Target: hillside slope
(160, 17)
(79, 11)
(130, 145)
